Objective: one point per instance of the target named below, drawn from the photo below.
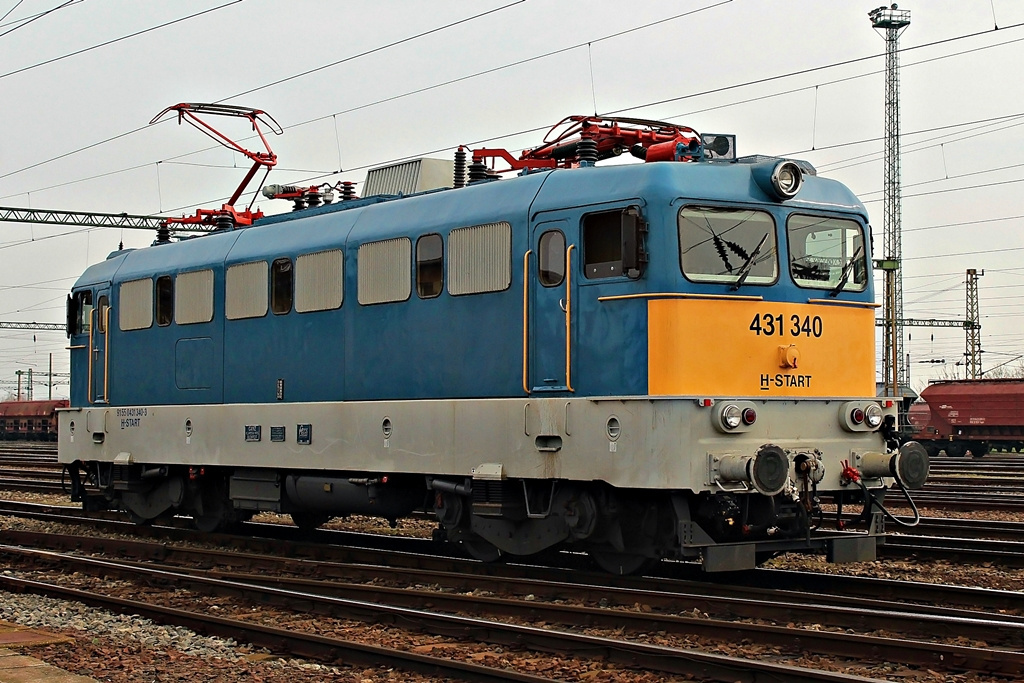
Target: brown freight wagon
(29, 420)
(970, 415)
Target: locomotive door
(550, 317)
(99, 347)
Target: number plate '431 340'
(771, 325)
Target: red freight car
(29, 420)
(970, 415)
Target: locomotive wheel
(217, 515)
(621, 563)
(209, 524)
(138, 519)
(309, 521)
(482, 550)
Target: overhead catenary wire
(37, 17)
(115, 40)
(388, 99)
(8, 12)
(326, 174)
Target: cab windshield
(827, 253)
(727, 245)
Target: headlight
(787, 179)
(731, 416)
(863, 416)
(873, 415)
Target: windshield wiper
(748, 264)
(847, 269)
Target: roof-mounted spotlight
(779, 179)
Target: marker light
(749, 416)
(873, 415)
(731, 416)
(857, 416)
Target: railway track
(272, 580)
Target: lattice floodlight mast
(973, 326)
(891, 22)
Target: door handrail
(526, 321)
(88, 392)
(568, 317)
(106, 354)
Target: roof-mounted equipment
(312, 196)
(227, 216)
(780, 179)
(584, 140)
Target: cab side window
(80, 313)
(429, 266)
(602, 245)
(164, 300)
(281, 286)
(614, 244)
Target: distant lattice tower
(891, 22)
(973, 326)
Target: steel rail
(417, 554)
(422, 555)
(308, 645)
(1007, 630)
(627, 653)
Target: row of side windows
(312, 283)
(479, 261)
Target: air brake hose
(874, 503)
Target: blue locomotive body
(465, 346)
(550, 350)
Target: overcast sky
(357, 84)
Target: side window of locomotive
(480, 259)
(281, 286)
(602, 244)
(319, 281)
(719, 244)
(384, 271)
(83, 306)
(245, 290)
(824, 252)
(101, 314)
(136, 304)
(429, 266)
(193, 297)
(551, 258)
(164, 300)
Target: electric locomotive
(671, 358)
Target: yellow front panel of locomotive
(759, 348)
